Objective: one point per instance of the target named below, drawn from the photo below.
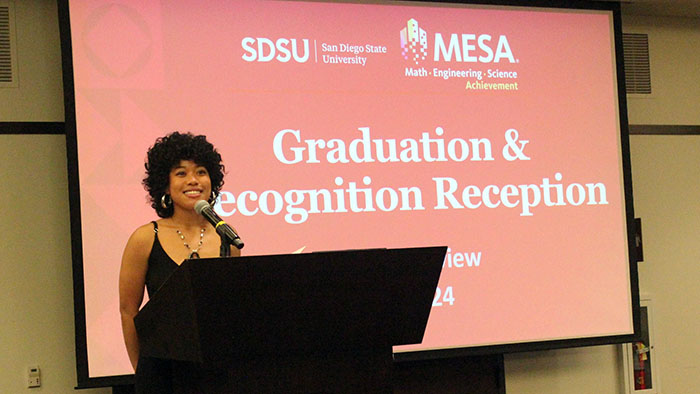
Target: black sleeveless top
(160, 265)
(153, 375)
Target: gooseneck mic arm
(227, 233)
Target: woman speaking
(181, 169)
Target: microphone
(224, 230)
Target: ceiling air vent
(8, 77)
(637, 71)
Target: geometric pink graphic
(414, 41)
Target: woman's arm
(132, 280)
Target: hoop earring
(214, 196)
(166, 203)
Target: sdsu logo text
(283, 49)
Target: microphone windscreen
(200, 205)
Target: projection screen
(498, 131)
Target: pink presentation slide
(493, 131)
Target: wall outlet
(33, 376)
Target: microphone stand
(226, 243)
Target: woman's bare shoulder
(143, 236)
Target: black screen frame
(85, 381)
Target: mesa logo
(466, 48)
(263, 49)
(470, 48)
(414, 42)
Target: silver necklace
(194, 254)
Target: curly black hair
(166, 153)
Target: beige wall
(675, 71)
(36, 291)
(39, 96)
(667, 175)
(36, 314)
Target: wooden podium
(300, 323)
